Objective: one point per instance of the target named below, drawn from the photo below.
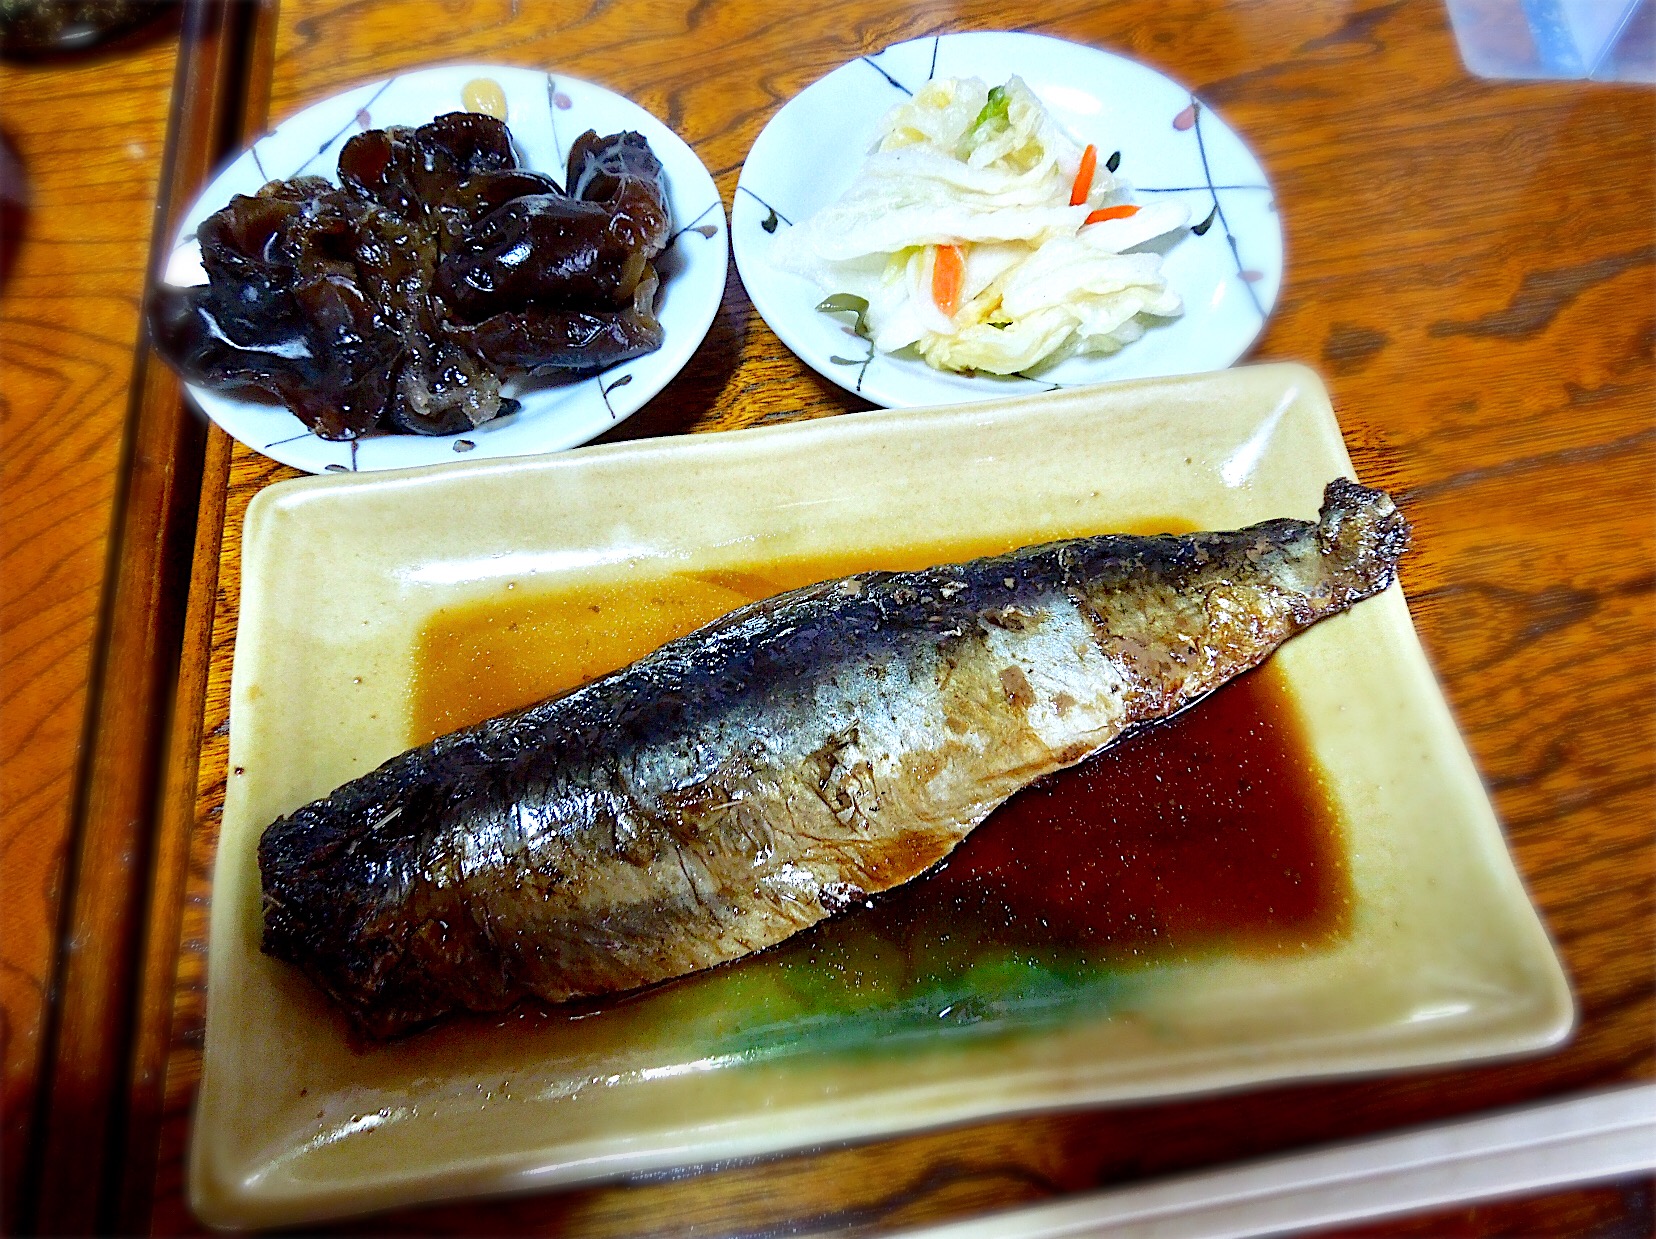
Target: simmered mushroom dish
(398, 301)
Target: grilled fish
(781, 763)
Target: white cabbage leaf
(991, 173)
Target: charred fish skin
(762, 773)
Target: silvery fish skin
(742, 783)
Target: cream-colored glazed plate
(1444, 959)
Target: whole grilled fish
(779, 764)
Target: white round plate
(1171, 145)
(546, 112)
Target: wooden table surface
(88, 137)
(1471, 265)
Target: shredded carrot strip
(1084, 175)
(948, 277)
(1115, 212)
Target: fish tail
(1361, 535)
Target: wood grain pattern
(232, 73)
(68, 326)
(87, 1050)
(1471, 264)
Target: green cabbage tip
(993, 116)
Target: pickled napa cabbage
(990, 173)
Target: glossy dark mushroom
(399, 300)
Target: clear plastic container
(1607, 40)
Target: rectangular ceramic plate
(1444, 959)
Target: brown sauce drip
(1213, 829)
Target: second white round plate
(1227, 266)
(546, 112)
